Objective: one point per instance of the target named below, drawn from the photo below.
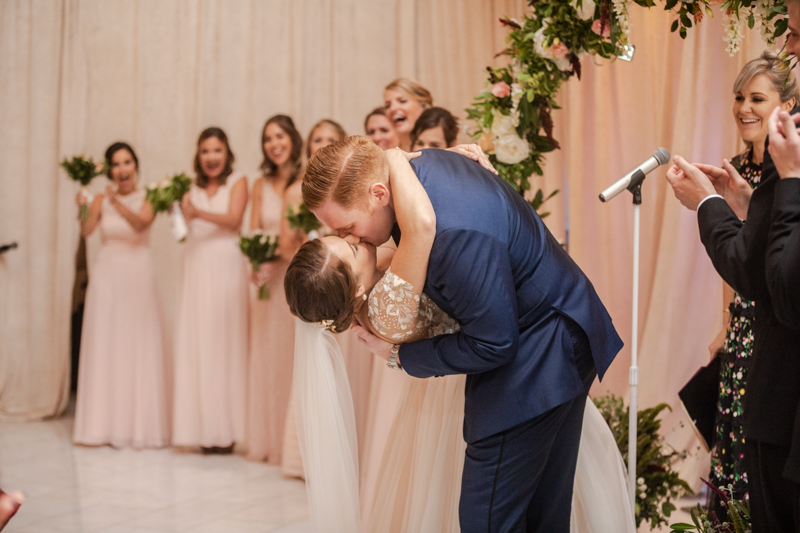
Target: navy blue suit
(523, 306)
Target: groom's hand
(379, 347)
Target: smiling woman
(762, 85)
(404, 101)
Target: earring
(364, 296)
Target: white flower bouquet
(260, 248)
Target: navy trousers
(520, 480)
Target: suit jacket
(738, 252)
(783, 253)
(496, 269)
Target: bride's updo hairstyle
(344, 171)
(320, 286)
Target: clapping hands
(784, 143)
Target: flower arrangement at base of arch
(513, 115)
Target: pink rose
(560, 50)
(501, 89)
(598, 24)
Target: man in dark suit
(783, 252)
(534, 333)
(739, 252)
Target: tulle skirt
(211, 345)
(124, 375)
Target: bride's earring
(364, 296)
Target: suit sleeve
(472, 271)
(737, 250)
(783, 253)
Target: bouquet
(260, 248)
(83, 170)
(167, 194)
(300, 217)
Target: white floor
(72, 489)
(76, 489)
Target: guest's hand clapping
(784, 143)
(111, 192)
(730, 185)
(689, 183)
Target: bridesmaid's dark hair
(218, 133)
(113, 149)
(268, 168)
(433, 117)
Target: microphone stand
(635, 188)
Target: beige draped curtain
(76, 75)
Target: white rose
(585, 10)
(511, 149)
(504, 124)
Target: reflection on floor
(77, 489)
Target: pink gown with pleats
(211, 341)
(124, 375)
(269, 379)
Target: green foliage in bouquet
(658, 484)
(300, 217)
(260, 248)
(738, 519)
(83, 170)
(168, 191)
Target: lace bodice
(398, 314)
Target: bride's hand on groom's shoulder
(474, 152)
(375, 345)
(401, 154)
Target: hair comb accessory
(326, 324)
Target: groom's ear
(380, 193)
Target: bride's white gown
(420, 475)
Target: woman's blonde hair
(335, 126)
(783, 82)
(320, 286)
(413, 90)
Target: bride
(333, 283)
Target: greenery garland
(513, 114)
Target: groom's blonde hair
(343, 172)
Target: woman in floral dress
(758, 89)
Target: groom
(533, 331)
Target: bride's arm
(416, 219)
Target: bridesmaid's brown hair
(218, 133)
(320, 286)
(287, 125)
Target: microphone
(660, 157)
(7, 247)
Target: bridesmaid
(404, 101)
(357, 358)
(211, 342)
(380, 130)
(323, 133)
(123, 379)
(272, 328)
(436, 127)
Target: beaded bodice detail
(399, 315)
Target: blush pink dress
(211, 339)
(124, 379)
(269, 379)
